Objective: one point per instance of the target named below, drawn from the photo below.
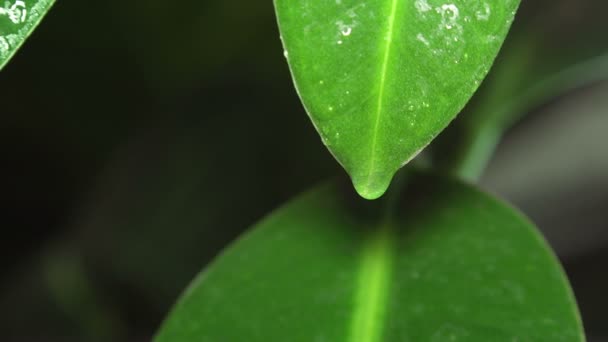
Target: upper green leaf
(380, 79)
(18, 18)
(447, 263)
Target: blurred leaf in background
(569, 200)
(329, 266)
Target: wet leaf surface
(380, 79)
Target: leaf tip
(371, 186)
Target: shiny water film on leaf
(381, 78)
(18, 19)
(449, 264)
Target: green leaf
(18, 19)
(380, 79)
(532, 68)
(447, 263)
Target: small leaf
(18, 19)
(380, 79)
(449, 264)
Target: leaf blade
(322, 268)
(380, 79)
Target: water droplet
(340, 42)
(421, 38)
(484, 14)
(346, 29)
(16, 13)
(4, 47)
(285, 53)
(330, 108)
(423, 6)
(451, 11)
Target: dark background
(138, 138)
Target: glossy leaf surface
(380, 79)
(449, 264)
(18, 18)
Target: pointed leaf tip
(381, 79)
(372, 186)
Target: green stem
(479, 138)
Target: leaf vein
(383, 73)
(373, 287)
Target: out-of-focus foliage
(329, 267)
(553, 47)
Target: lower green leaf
(446, 263)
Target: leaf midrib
(383, 71)
(372, 287)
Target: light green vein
(388, 39)
(372, 288)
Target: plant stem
(478, 138)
